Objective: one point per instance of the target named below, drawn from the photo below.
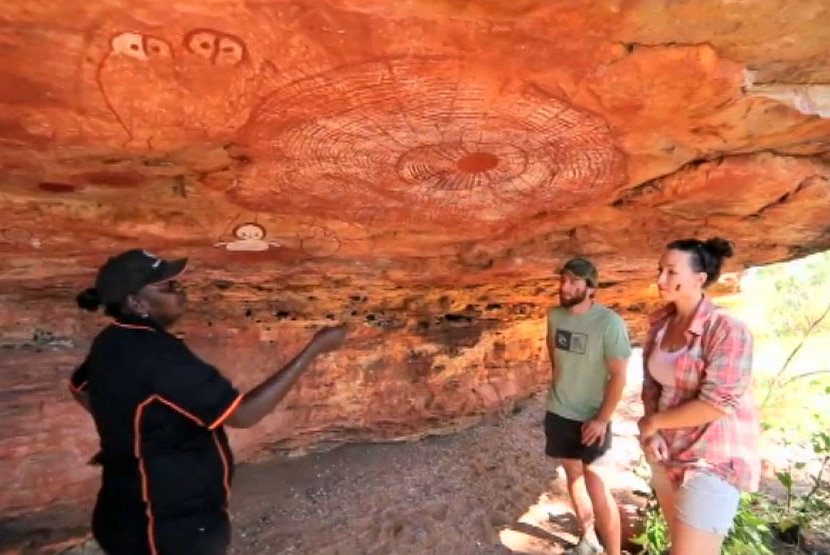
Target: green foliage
(791, 306)
(794, 410)
(654, 538)
(749, 535)
(794, 295)
(813, 506)
(757, 516)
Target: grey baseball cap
(582, 268)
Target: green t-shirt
(582, 345)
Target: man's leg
(564, 443)
(605, 508)
(579, 495)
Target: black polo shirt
(158, 410)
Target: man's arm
(549, 342)
(617, 371)
(551, 356)
(616, 349)
(594, 430)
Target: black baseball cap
(131, 270)
(582, 268)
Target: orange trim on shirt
(225, 467)
(227, 413)
(145, 488)
(179, 409)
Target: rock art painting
(313, 240)
(183, 85)
(250, 237)
(431, 139)
(140, 47)
(218, 48)
(417, 169)
(318, 241)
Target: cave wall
(417, 170)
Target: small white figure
(250, 238)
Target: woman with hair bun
(701, 427)
(161, 412)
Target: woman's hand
(655, 448)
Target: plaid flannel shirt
(716, 369)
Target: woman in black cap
(160, 410)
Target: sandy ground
(488, 490)
(485, 490)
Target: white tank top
(661, 364)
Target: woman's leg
(688, 540)
(665, 492)
(705, 508)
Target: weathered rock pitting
(417, 170)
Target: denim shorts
(704, 501)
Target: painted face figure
(250, 232)
(250, 237)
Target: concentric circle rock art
(429, 140)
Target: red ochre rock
(418, 170)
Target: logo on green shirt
(571, 341)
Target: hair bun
(719, 247)
(89, 299)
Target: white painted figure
(250, 237)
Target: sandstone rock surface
(417, 169)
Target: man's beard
(572, 301)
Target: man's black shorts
(564, 440)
